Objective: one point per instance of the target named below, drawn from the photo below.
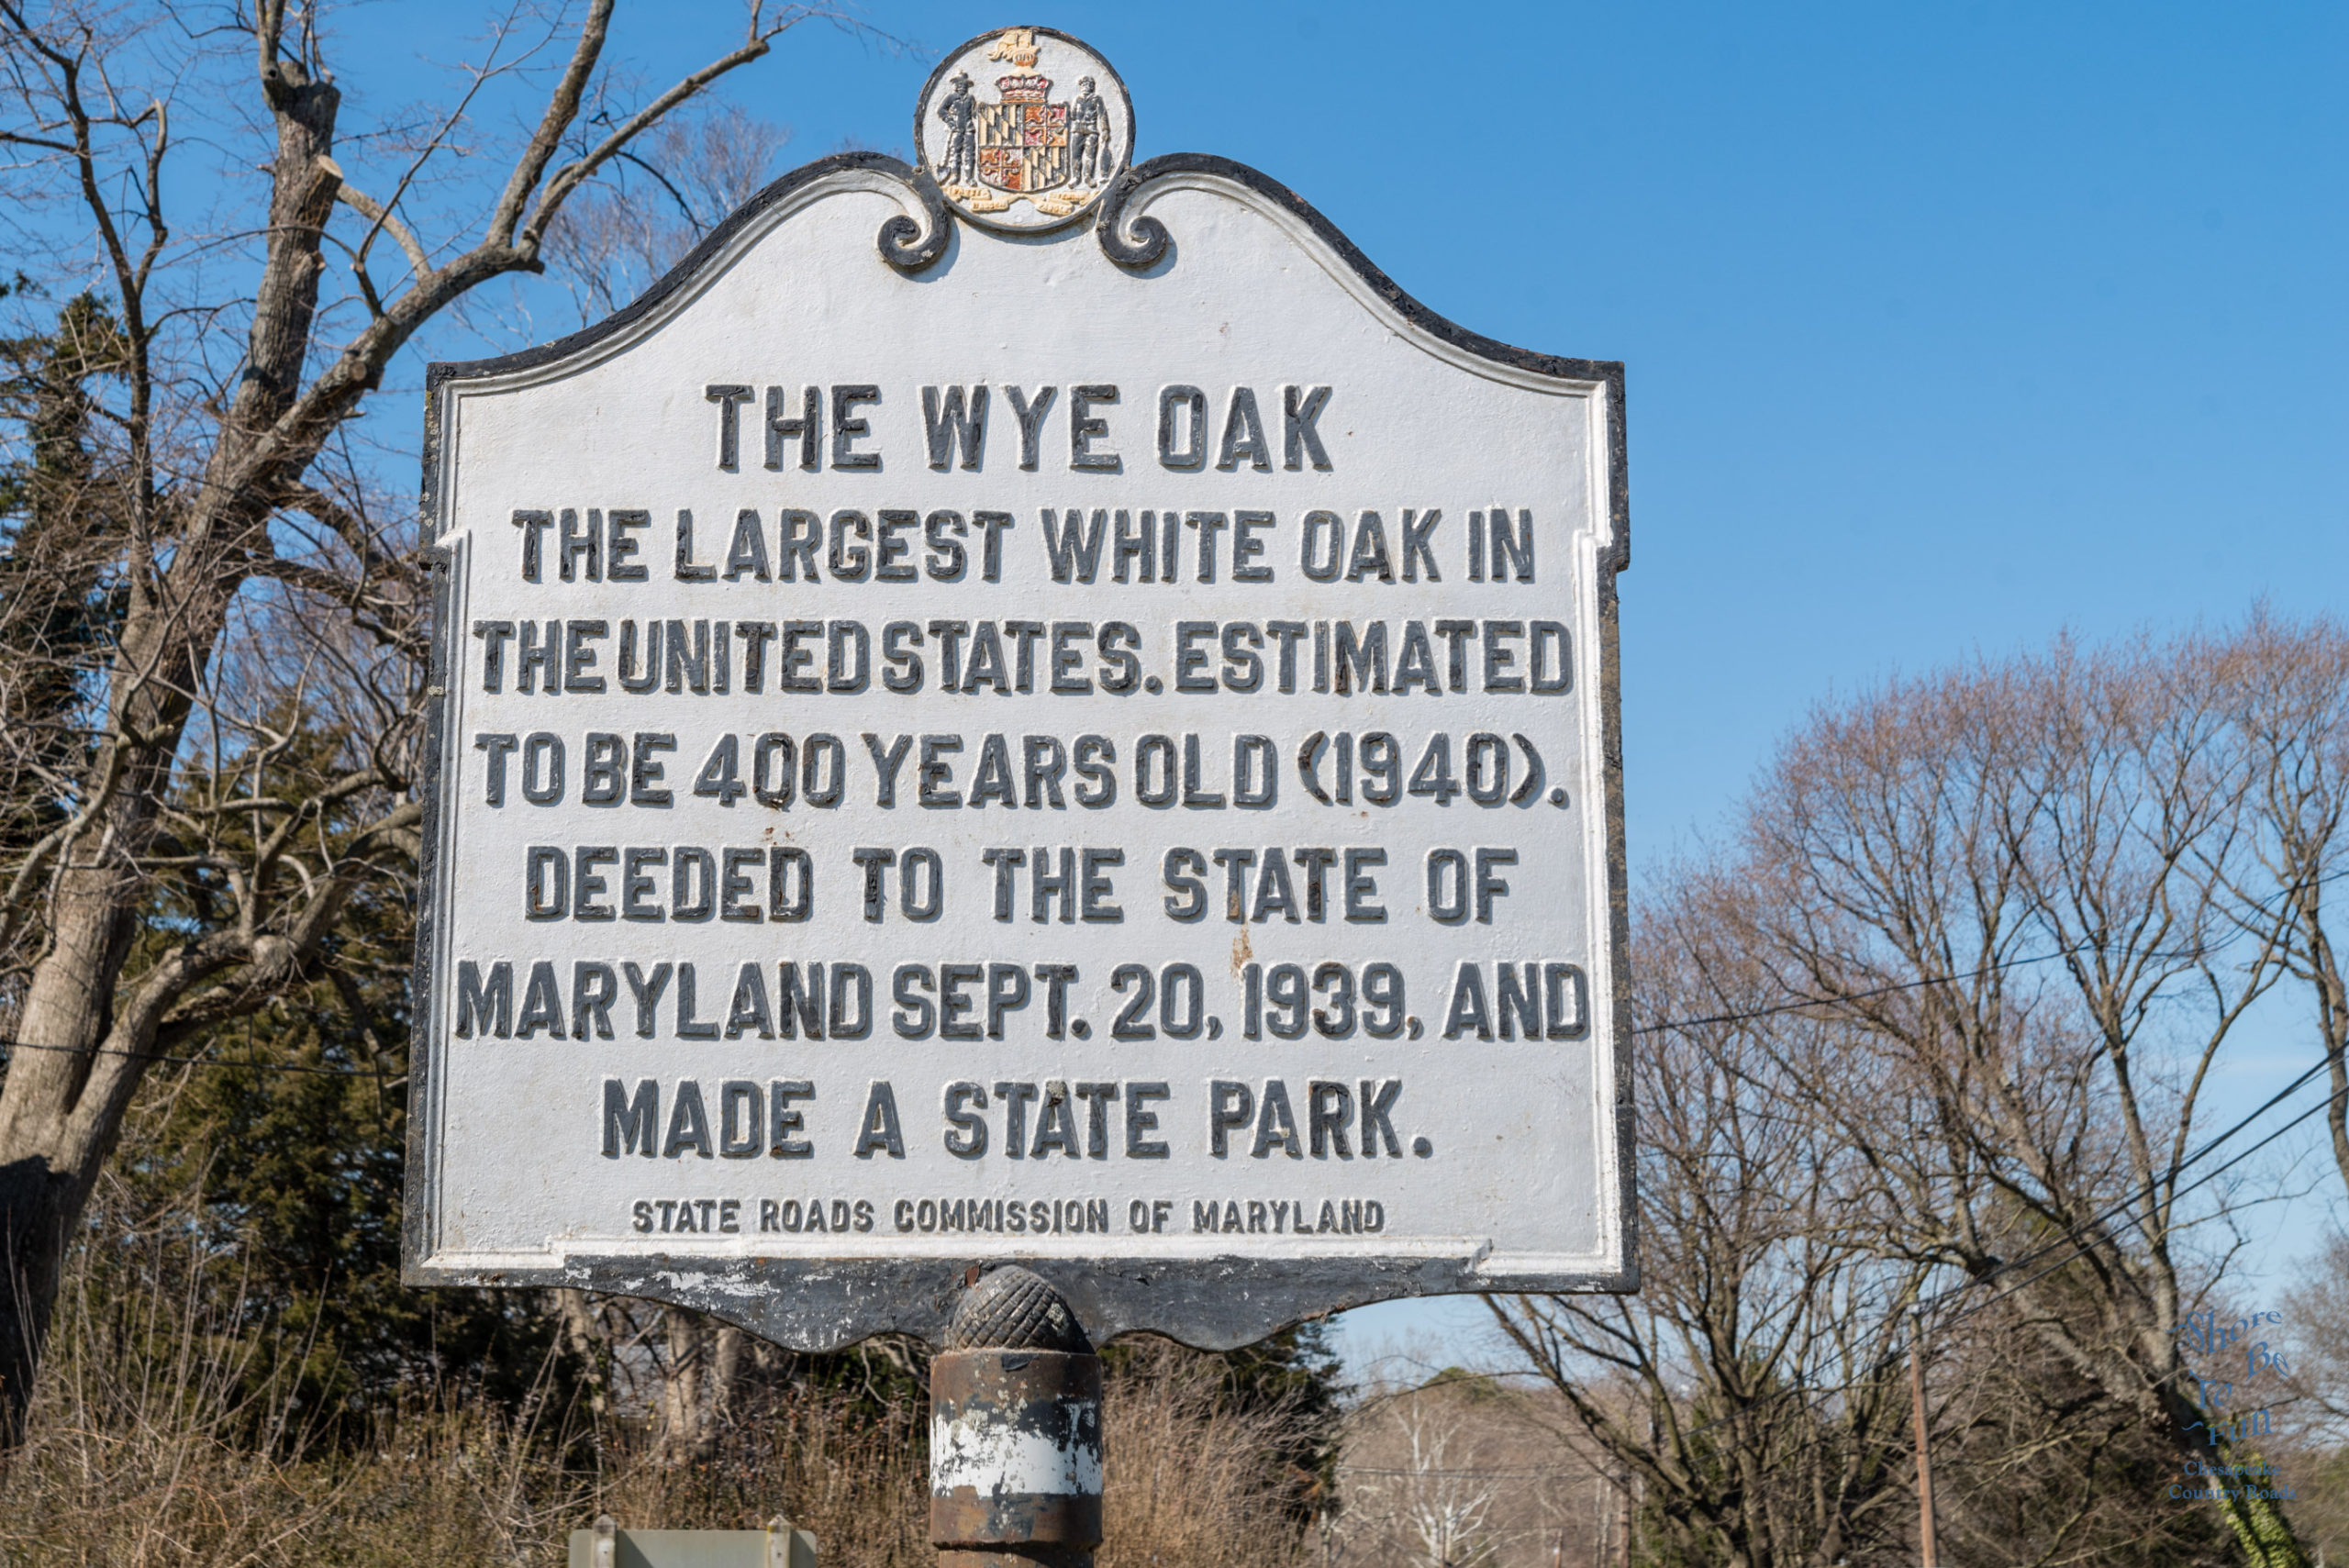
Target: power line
(2211, 1176)
(2072, 1233)
(1897, 986)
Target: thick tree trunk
(684, 1433)
(61, 1107)
(49, 1157)
(728, 1362)
(584, 1335)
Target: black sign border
(1217, 1302)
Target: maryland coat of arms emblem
(1057, 129)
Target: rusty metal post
(1015, 1430)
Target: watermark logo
(2230, 1344)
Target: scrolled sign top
(1024, 128)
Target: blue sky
(1949, 328)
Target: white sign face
(1096, 749)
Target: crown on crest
(1017, 45)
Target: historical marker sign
(1025, 709)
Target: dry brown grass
(1185, 1483)
(143, 1455)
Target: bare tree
(2287, 689)
(614, 238)
(2316, 1325)
(1444, 1510)
(1756, 1387)
(1941, 1027)
(2011, 882)
(1437, 1476)
(2034, 1464)
(234, 564)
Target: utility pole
(1924, 1438)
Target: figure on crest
(960, 110)
(1088, 135)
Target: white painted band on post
(995, 1458)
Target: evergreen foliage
(61, 499)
